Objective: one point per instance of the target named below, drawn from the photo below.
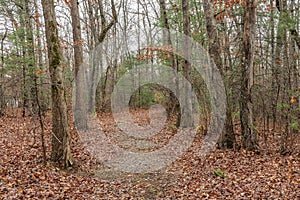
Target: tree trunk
(173, 106)
(23, 50)
(187, 120)
(2, 100)
(227, 138)
(98, 36)
(80, 109)
(30, 52)
(249, 138)
(61, 151)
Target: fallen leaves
(218, 175)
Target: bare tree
(98, 32)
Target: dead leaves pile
(240, 174)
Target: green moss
(56, 56)
(53, 38)
(56, 61)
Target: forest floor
(235, 174)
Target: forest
(161, 99)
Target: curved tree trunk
(227, 139)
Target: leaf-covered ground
(219, 175)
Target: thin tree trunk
(80, 112)
(274, 68)
(2, 100)
(30, 52)
(173, 105)
(43, 97)
(187, 110)
(22, 39)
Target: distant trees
(254, 44)
(100, 24)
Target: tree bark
(30, 52)
(2, 100)
(249, 138)
(173, 106)
(61, 151)
(98, 35)
(80, 109)
(227, 138)
(187, 110)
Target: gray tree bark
(80, 107)
(188, 119)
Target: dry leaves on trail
(246, 175)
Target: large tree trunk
(80, 108)
(249, 138)
(227, 139)
(61, 152)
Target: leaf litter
(221, 174)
